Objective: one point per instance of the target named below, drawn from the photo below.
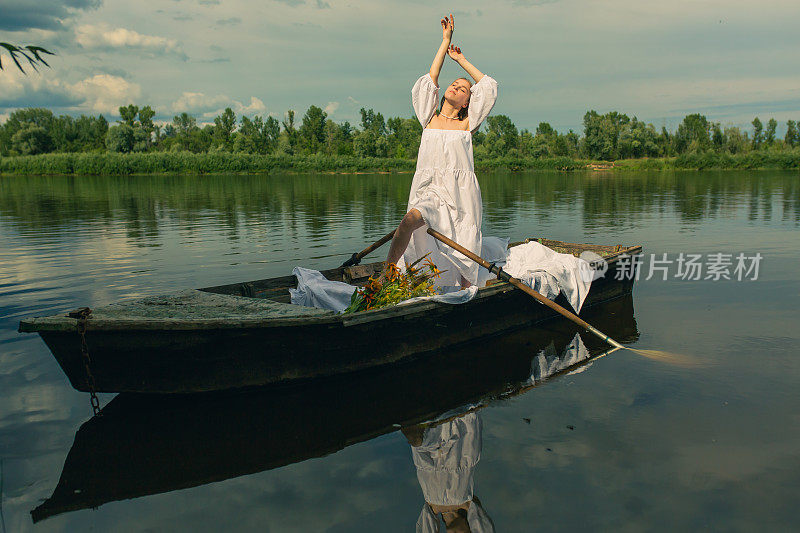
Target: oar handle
(505, 276)
(356, 258)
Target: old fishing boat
(249, 334)
(152, 444)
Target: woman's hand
(448, 26)
(455, 53)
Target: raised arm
(483, 92)
(448, 26)
(455, 53)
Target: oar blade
(671, 358)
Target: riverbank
(231, 163)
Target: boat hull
(220, 358)
(151, 444)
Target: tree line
(610, 136)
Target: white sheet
(549, 272)
(314, 290)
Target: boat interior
(277, 289)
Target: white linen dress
(445, 188)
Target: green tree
(146, 115)
(247, 138)
(664, 142)
(692, 134)
(502, 135)
(540, 147)
(637, 139)
(271, 130)
(545, 129)
(571, 138)
(20, 119)
(736, 142)
(769, 134)
(184, 123)
(290, 133)
(758, 133)
(120, 138)
(201, 140)
(372, 121)
(717, 137)
(128, 114)
(601, 134)
(31, 140)
(403, 137)
(367, 143)
(791, 138)
(224, 125)
(184, 126)
(312, 130)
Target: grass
(235, 163)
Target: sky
(730, 60)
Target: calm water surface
(627, 444)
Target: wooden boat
(147, 444)
(249, 334)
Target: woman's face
(458, 93)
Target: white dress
(445, 463)
(445, 188)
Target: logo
(593, 266)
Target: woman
(444, 192)
(445, 455)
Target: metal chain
(82, 315)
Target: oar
(505, 276)
(356, 258)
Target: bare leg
(412, 221)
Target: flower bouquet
(396, 286)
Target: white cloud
(105, 93)
(102, 36)
(100, 93)
(190, 102)
(331, 107)
(255, 107)
(34, 90)
(210, 106)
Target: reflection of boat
(248, 334)
(149, 444)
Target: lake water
(627, 444)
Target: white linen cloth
(445, 188)
(315, 290)
(549, 272)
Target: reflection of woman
(445, 456)
(444, 192)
